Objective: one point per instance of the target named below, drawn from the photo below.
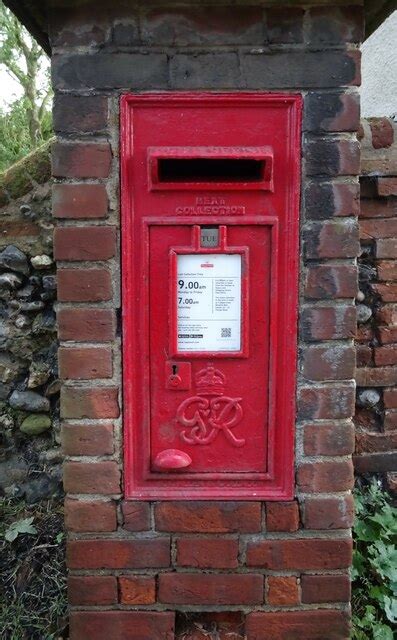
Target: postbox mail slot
(211, 168)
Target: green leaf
(365, 532)
(382, 632)
(20, 527)
(390, 605)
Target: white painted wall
(379, 71)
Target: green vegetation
(25, 123)
(32, 571)
(374, 574)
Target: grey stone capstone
(13, 258)
(29, 401)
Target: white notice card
(209, 302)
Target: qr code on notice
(226, 332)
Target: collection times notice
(209, 302)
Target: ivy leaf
(358, 565)
(19, 527)
(382, 632)
(390, 605)
(365, 532)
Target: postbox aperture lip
(262, 155)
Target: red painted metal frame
(226, 153)
(277, 483)
(222, 248)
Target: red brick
(331, 112)
(81, 160)
(325, 477)
(84, 285)
(80, 114)
(332, 239)
(284, 25)
(387, 314)
(319, 589)
(375, 462)
(86, 325)
(336, 25)
(328, 513)
(98, 477)
(382, 132)
(387, 335)
(282, 590)
(329, 362)
(365, 333)
(92, 590)
(118, 554)
(386, 291)
(390, 420)
(298, 625)
(296, 555)
(322, 403)
(328, 323)
(93, 516)
(87, 439)
(365, 419)
(385, 355)
(189, 25)
(390, 398)
(137, 590)
(208, 517)
(378, 228)
(331, 157)
(210, 589)
(84, 243)
(121, 625)
(363, 355)
(203, 553)
(332, 439)
(331, 281)
(282, 516)
(78, 363)
(378, 208)
(323, 200)
(387, 270)
(386, 248)
(377, 442)
(17, 229)
(71, 201)
(136, 515)
(229, 625)
(99, 402)
(376, 377)
(387, 186)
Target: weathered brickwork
(376, 412)
(243, 569)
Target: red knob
(171, 460)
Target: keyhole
(174, 369)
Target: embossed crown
(210, 381)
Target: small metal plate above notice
(209, 302)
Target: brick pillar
(376, 411)
(269, 570)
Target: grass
(32, 573)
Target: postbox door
(210, 330)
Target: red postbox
(210, 200)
